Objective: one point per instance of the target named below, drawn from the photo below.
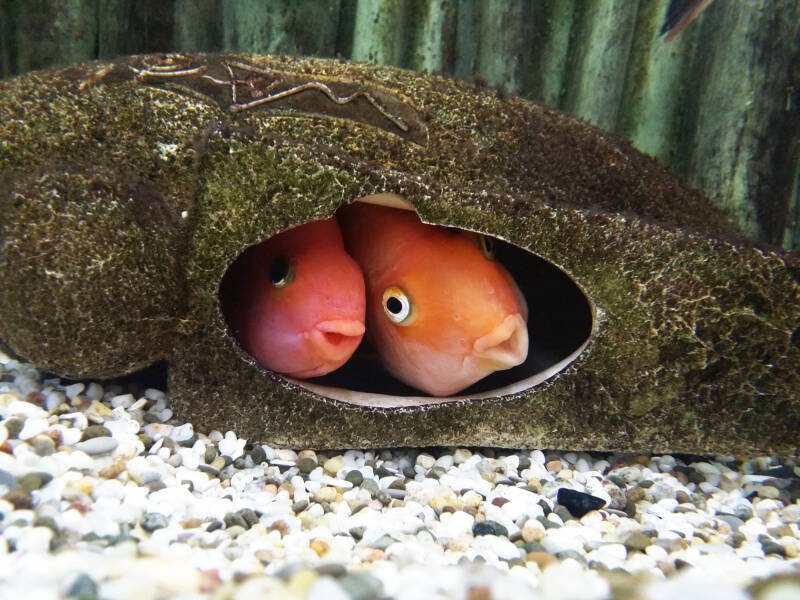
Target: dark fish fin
(680, 13)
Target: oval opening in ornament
(560, 324)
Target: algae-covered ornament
(131, 190)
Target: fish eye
(280, 272)
(397, 305)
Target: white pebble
(73, 390)
(19, 408)
(97, 445)
(33, 427)
(123, 400)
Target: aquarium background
(720, 104)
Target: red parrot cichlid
(441, 312)
(296, 301)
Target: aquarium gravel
(106, 495)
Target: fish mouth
(505, 346)
(333, 342)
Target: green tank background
(720, 105)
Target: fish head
(446, 314)
(301, 308)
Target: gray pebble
(571, 554)
(258, 455)
(155, 485)
(355, 477)
(371, 486)
(249, 515)
(95, 431)
(436, 473)
(733, 521)
(208, 469)
(49, 522)
(362, 586)
(43, 445)
(98, 445)
(33, 481)
(7, 480)
(331, 569)
(210, 454)
(214, 525)
(82, 587)
(306, 465)
(188, 442)
(357, 532)
(233, 519)
(383, 542)
(743, 511)
(548, 524)
(770, 546)
(152, 521)
(637, 541)
(13, 427)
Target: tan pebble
(533, 531)
(286, 487)
(84, 485)
(271, 488)
(479, 592)
(553, 466)
(375, 555)
(768, 491)
(636, 494)
(320, 546)
(113, 470)
(280, 526)
(191, 523)
(472, 499)
(209, 581)
(566, 474)
(299, 584)
(333, 465)
(306, 454)
(307, 520)
(542, 559)
(439, 501)
(218, 463)
(723, 527)
(791, 546)
(98, 410)
(535, 484)
(326, 494)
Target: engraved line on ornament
(311, 85)
(162, 72)
(233, 82)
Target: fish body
(296, 302)
(441, 312)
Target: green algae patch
(128, 188)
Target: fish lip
(333, 343)
(504, 347)
(346, 327)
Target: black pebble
(489, 528)
(578, 503)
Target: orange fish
(296, 301)
(441, 312)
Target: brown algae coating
(127, 188)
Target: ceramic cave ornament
(129, 189)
